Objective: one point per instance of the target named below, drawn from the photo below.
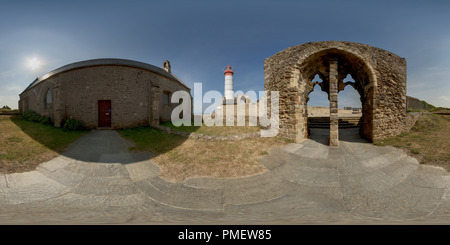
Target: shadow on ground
(103, 146)
(322, 135)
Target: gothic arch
(380, 79)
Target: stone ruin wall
(325, 111)
(390, 96)
(416, 104)
(385, 111)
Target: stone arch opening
(318, 86)
(317, 110)
(333, 65)
(379, 78)
(350, 110)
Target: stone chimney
(166, 66)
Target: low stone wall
(321, 111)
(208, 137)
(9, 113)
(416, 104)
(411, 119)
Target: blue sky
(200, 38)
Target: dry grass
(180, 158)
(215, 130)
(428, 140)
(18, 151)
(24, 145)
(223, 159)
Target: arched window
(242, 100)
(166, 98)
(49, 99)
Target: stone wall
(380, 78)
(416, 104)
(411, 119)
(325, 111)
(76, 94)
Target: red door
(104, 113)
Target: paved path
(97, 181)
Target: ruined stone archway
(380, 79)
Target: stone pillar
(154, 106)
(333, 93)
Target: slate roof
(101, 62)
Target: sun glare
(34, 63)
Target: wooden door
(104, 113)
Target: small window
(49, 100)
(166, 98)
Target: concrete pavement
(98, 181)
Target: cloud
(445, 98)
(11, 101)
(14, 88)
(8, 74)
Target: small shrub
(73, 124)
(31, 116)
(415, 151)
(45, 120)
(34, 117)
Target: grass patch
(180, 158)
(152, 140)
(428, 140)
(215, 130)
(25, 144)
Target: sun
(34, 63)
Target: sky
(200, 38)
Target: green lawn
(25, 144)
(428, 139)
(52, 137)
(180, 157)
(150, 139)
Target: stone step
(401, 168)
(255, 189)
(105, 186)
(181, 196)
(109, 170)
(81, 168)
(344, 122)
(328, 126)
(322, 177)
(142, 170)
(325, 122)
(29, 187)
(62, 176)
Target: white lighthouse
(229, 93)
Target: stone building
(104, 93)
(380, 79)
